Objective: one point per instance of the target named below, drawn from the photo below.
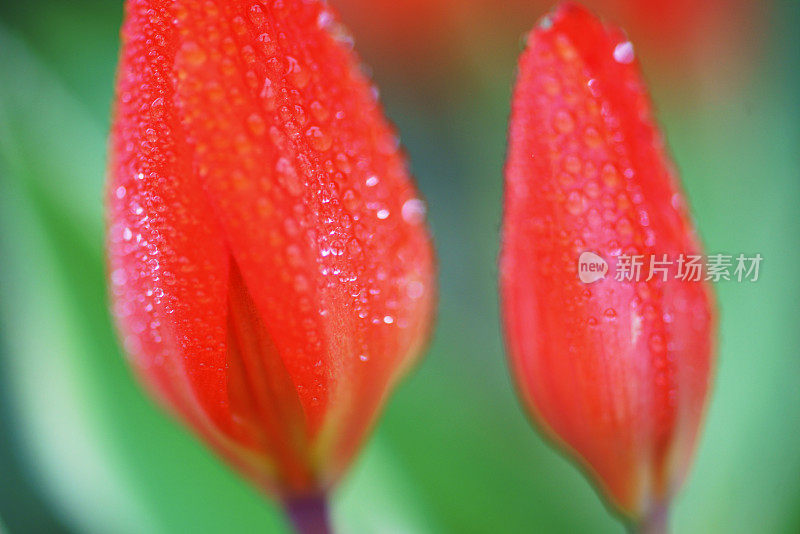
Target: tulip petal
(168, 262)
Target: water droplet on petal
(564, 122)
(576, 203)
(157, 108)
(318, 139)
(657, 343)
(413, 211)
(118, 277)
(623, 52)
(415, 290)
(256, 124)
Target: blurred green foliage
(83, 450)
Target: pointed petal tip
(576, 22)
(578, 32)
(564, 13)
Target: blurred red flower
(617, 371)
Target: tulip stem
(309, 514)
(657, 522)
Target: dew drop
(551, 86)
(593, 87)
(157, 108)
(319, 111)
(336, 248)
(624, 226)
(592, 137)
(566, 179)
(296, 74)
(413, 211)
(257, 15)
(623, 52)
(193, 54)
(677, 201)
(415, 290)
(118, 277)
(350, 199)
(324, 19)
(572, 164)
(256, 124)
(267, 44)
(564, 122)
(610, 175)
(565, 48)
(657, 343)
(592, 189)
(354, 248)
(576, 203)
(318, 139)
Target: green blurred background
(83, 450)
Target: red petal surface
(616, 371)
(271, 271)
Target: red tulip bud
(272, 275)
(617, 371)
